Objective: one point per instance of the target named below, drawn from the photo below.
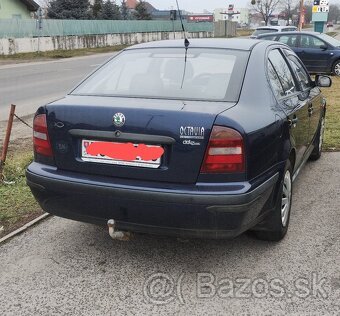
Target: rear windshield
(207, 74)
(263, 31)
(289, 29)
(331, 40)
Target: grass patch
(332, 33)
(17, 205)
(62, 53)
(244, 32)
(332, 132)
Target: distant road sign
(319, 8)
(200, 18)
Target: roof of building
(131, 4)
(31, 5)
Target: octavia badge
(119, 119)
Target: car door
(314, 53)
(287, 93)
(311, 93)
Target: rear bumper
(214, 212)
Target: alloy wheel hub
(286, 197)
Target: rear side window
(278, 67)
(275, 81)
(311, 42)
(289, 40)
(300, 72)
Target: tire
(336, 68)
(275, 226)
(318, 141)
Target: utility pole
(173, 18)
(40, 26)
(301, 16)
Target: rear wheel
(317, 151)
(276, 224)
(336, 68)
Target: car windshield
(263, 31)
(331, 40)
(207, 74)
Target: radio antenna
(186, 42)
(181, 19)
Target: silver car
(272, 29)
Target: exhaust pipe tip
(111, 223)
(117, 235)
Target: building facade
(17, 9)
(220, 14)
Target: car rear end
(195, 186)
(272, 29)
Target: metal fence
(17, 28)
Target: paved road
(61, 267)
(33, 84)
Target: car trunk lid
(181, 128)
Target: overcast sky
(199, 5)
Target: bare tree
(290, 7)
(334, 13)
(265, 8)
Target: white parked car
(272, 29)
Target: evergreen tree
(141, 12)
(124, 11)
(69, 9)
(97, 8)
(110, 11)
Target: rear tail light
(225, 152)
(41, 140)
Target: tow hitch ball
(115, 234)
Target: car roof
(234, 43)
(288, 33)
(274, 27)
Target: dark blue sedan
(319, 52)
(201, 139)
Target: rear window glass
(289, 29)
(207, 74)
(264, 31)
(331, 40)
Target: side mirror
(324, 47)
(323, 81)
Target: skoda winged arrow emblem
(119, 119)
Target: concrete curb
(55, 61)
(23, 228)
